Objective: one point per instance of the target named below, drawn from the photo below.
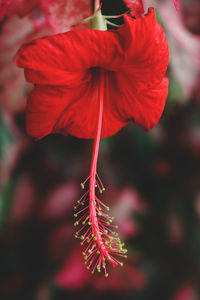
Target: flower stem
(98, 21)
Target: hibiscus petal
(147, 51)
(65, 69)
(64, 59)
(143, 107)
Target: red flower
(65, 69)
(90, 83)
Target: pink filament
(93, 172)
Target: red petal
(65, 68)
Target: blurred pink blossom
(23, 200)
(13, 87)
(185, 51)
(60, 201)
(21, 8)
(63, 14)
(186, 292)
(74, 275)
(190, 12)
(127, 203)
(140, 7)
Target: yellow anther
(100, 233)
(81, 243)
(82, 203)
(107, 208)
(106, 243)
(104, 260)
(85, 257)
(95, 203)
(95, 238)
(100, 191)
(121, 264)
(74, 207)
(116, 226)
(87, 267)
(82, 186)
(92, 272)
(103, 189)
(106, 275)
(82, 237)
(89, 223)
(107, 223)
(75, 215)
(88, 240)
(78, 201)
(90, 251)
(76, 223)
(108, 258)
(83, 222)
(100, 208)
(98, 252)
(99, 214)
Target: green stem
(98, 21)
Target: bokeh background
(152, 179)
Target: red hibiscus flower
(90, 83)
(65, 69)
